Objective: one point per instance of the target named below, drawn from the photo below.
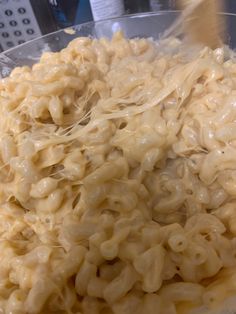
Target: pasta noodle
(118, 180)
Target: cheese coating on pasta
(118, 180)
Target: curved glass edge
(148, 24)
(91, 24)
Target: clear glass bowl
(137, 25)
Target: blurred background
(23, 20)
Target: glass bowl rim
(77, 27)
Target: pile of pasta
(118, 180)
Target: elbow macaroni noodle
(118, 180)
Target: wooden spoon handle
(203, 24)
